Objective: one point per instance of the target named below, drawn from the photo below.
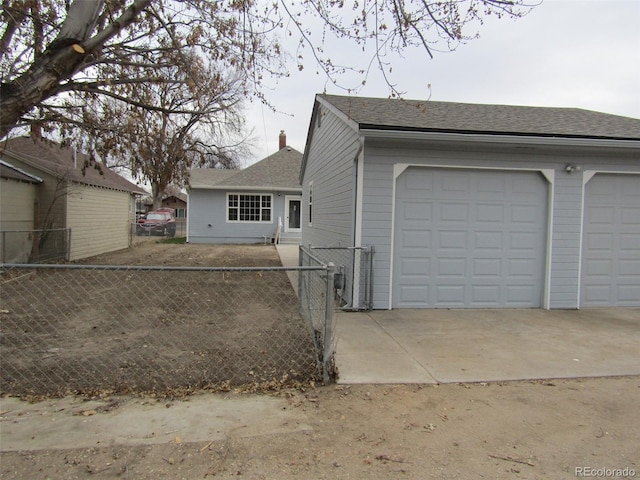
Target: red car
(158, 222)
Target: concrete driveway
(450, 346)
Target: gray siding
(207, 212)
(330, 166)
(565, 253)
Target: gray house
(478, 206)
(260, 204)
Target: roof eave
(246, 188)
(374, 131)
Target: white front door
(292, 207)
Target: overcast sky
(565, 53)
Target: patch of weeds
(174, 240)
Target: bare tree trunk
(61, 60)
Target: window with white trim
(310, 203)
(250, 207)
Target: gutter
(529, 140)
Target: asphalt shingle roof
(280, 170)
(59, 161)
(421, 115)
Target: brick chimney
(282, 140)
(36, 131)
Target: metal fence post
(369, 303)
(68, 244)
(328, 323)
(300, 279)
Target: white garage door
(611, 242)
(469, 238)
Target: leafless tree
(196, 121)
(53, 52)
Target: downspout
(188, 218)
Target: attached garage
(469, 238)
(610, 273)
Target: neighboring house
(478, 206)
(18, 198)
(96, 205)
(246, 206)
(172, 198)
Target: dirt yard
(514, 430)
(547, 429)
(167, 332)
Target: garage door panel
(492, 240)
(419, 239)
(630, 268)
(630, 215)
(601, 215)
(489, 267)
(629, 245)
(414, 295)
(488, 243)
(600, 241)
(417, 211)
(454, 183)
(486, 295)
(524, 214)
(416, 266)
(490, 213)
(629, 293)
(489, 184)
(454, 212)
(518, 296)
(611, 241)
(452, 295)
(449, 239)
(521, 268)
(527, 186)
(451, 267)
(524, 241)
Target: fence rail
(89, 329)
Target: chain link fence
(316, 296)
(355, 273)
(176, 229)
(79, 329)
(35, 246)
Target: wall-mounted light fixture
(572, 167)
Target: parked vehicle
(157, 222)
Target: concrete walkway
(289, 256)
(450, 346)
